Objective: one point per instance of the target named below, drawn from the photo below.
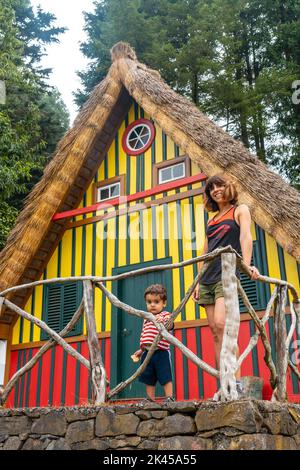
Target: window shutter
(255, 290)
(60, 303)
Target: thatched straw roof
(273, 203)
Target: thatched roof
(273, 203)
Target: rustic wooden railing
(228, 361)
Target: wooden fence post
(228, 360)
(280, 339)
(98, 374)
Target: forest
(237, 60)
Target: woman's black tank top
(225, 231)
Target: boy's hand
(159, 318)
(136, 356)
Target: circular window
(138, 137)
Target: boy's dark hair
(230, 193)
(156, 289)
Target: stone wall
(245, 424)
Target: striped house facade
(162, 223)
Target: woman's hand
(254, 273)
(195, 295)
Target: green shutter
(60, 303)
(255, 290)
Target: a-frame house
(135, 139)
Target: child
(159, 367)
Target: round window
(138, 137)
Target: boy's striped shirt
(149, 332)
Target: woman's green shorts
(209, 293)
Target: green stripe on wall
(260, 235)
(164, 146)
(28, 380)
(142, 172)
(154, 234)
(180, 253)
(288, 321)
(117, 241)
(73, 252)
(64, 379)
(138, 173)
(94, 249)
(39, 379)
(21, 330)
(23, 362)
(141, 236)
(32, 313)
(117, 166)
(16, 397)
(166, 230)
(127, 239)
(254, 351)
(51, 384)
(104, 271)
(136, 110)
(77, 382)
(200, 371)
(185, 366)
(194, 251)
(106, 167)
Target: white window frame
(143, 124)
(173, 178)
(101, 188)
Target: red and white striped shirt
(149, 332)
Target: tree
(235, 59)
(29, 127)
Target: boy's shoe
(168, 400)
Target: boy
(159, 367)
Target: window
(109, 189)
(61, 301)
(171, 170)
(138, 137)
(171, 173)
(108, 192)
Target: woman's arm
(244, 219)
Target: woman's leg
(210, 314)
(216, 320)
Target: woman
(230, 226)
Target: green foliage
(33, 118)
(235, 59)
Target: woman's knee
(216, 332)
(220, 325)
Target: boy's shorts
(158, 369)
(209, 293)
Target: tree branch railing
(229, 364)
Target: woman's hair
(156, 289)
(230, 192)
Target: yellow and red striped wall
(84, 250)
